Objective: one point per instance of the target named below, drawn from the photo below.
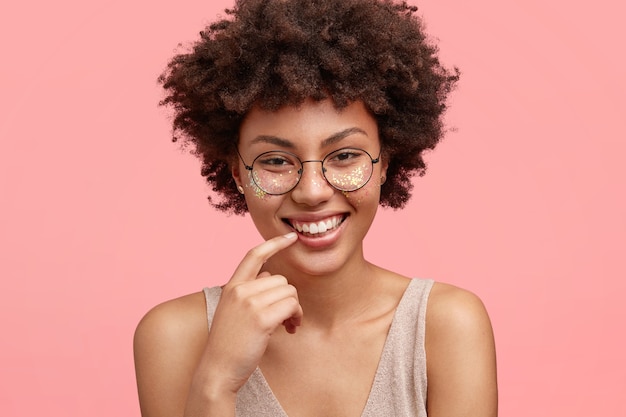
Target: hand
(252, 306)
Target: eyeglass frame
(301, 169)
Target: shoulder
(173, 318)
(460, 353)
(455, 320)
(168, 344)
(451, 307)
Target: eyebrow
(285, 143)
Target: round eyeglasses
(278, 172)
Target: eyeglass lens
(278, 172)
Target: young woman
(309, 115)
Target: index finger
(251, 264)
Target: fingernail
(290, 235)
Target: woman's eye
(345, 156)
(275, 161)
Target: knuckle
(250, 304)
(281, 279)
(237, 292)
(292, 291)
(265, 323)
(292, 303)
(245, 300)
(257, 253)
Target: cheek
(258, 193)
(262, 211)
(259, 203)
(370, 194)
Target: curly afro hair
(274, 53)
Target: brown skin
(172, 338)
(300, 321)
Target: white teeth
(319, 227)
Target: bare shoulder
(168, 343)
(460, 352)
(455, 318)
(453, 308)
(173, 319)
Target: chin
(314, 263)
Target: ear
(236, 173)
(384, 164)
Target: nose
(312, 189)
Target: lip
(322, 240)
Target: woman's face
(330, 223)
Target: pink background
(102, 217)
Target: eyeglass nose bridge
(301, 170)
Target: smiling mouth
(316, 228)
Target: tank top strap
(212, 297)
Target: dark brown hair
(274, 53)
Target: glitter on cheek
(260, 194)
(351, 180)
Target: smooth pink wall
(102, 217)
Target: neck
(331, 299)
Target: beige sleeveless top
(399, 387)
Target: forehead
(309, 124)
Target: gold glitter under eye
(259, 193)
(349, 181)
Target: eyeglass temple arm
(248, 167)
